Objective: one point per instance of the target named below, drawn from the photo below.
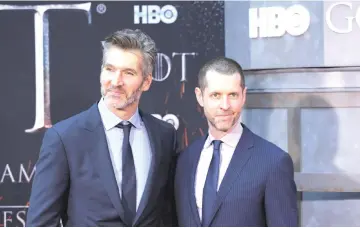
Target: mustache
(116, 89)
(224, 113)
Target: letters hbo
(154, 14)
(276, 21)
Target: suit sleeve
(169, 214)
(281, 196)
(48, 199)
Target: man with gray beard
(111, 165)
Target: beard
(223, 126)
(122, 99)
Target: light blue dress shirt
(139, 142)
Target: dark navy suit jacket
(74, 179)
(258, 188)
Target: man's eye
(110, 69)
(130, 73)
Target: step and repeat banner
(50, 59)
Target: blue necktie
(211, 183)
(128, 183)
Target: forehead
(123, 58)
(222, 82)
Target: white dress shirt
(227, 148)
(139, 142)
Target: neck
(217, 134)
(126, 113)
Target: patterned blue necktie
(211, 183)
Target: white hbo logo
(170, 118)
(153, 14)
(276, 21)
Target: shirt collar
(110, 120)
(231, 139)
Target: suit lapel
(192, 199)
(155, 143)
(240, 157)
(99, 152)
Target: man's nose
(117, 79)
(225, 103)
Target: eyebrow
(108, 65)
(130, 69)
(123, 69)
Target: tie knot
(217, 144)
(125, 125)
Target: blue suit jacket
(258, 188)
(74, 179)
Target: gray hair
(221, 65)
(133, 39)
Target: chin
(114, 103)
(120, 106)
(223, 128)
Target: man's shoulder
(267, 148)
(71, 123)
(196, 145)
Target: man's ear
(244, 95)
(147, 82)
(199, 96)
